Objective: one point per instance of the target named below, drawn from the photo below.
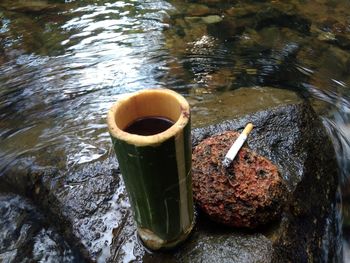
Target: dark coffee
(149, 125)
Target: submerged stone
(212, 19)
(240, 19)
(326, 36)
(283, 18)
(32, 6)
(197, 10)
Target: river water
(63, 64)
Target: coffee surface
(146, 126)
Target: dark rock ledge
(87, 209)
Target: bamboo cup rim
(148, 103)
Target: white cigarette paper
(237, 145)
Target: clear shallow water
(55, 93)
(63, 64)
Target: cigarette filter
(231, 154)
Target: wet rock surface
(227, 247)
(90, 201)
(89, 208)
(85, 204)
(26, 235)
(249, 193)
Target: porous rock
(249, 193)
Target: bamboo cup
(156, 169)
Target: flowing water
(63, 64)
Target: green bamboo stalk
(156, 169)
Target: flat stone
(212, 19)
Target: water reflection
(101, 50)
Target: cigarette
(231, 154)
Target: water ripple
(61, 100)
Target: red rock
(249, 193)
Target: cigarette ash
(248, 193)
